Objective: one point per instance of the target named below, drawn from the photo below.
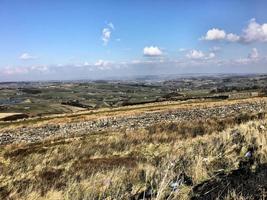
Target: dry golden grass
(116, 165)
(4, 115)
(124, 111)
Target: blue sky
(42, 40)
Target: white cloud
(211, 55)
(251, 63)
(242, 61)
(101, 63)
(219, 34)
(215, 34)
(40, 68)
(254, 54)
(195, 54)
(111, 25)
(106, 34)
(14, 71)
(26, 56)
(232, 37)
(255, 32)
(152, 51)
(198, 55)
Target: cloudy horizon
(49, 40)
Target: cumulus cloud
(197, 54)
(255, 32)
(152, 51)
(103, 65)
(26, 56)
(106, 33)
(219, 34)
(253, 56)
(232, 37)
(215, 34)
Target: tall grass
(118, 165)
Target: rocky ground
(29, 134)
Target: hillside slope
(193, 155)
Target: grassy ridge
(117, 165)
(125, 111)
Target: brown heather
(117, 165)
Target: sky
(97, 39)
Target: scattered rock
(181, 179)
(129, 123)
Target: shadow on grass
(243, 181)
